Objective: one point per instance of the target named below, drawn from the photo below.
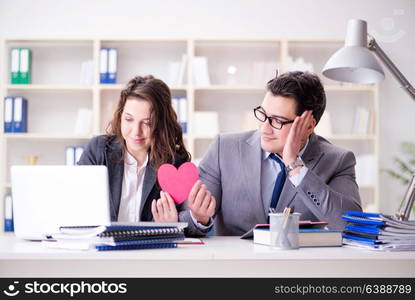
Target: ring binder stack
(378, 232)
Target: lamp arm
(408, 201)
(374, 46)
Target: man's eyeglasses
(273, 121)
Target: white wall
(391, 22)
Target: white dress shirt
(269, 172)
(132, 189)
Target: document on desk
(378, 232)
(191, 241)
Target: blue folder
(361, 239)
(363, 229)
(363, 220)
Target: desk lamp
(355, 63)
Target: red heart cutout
(177, 182)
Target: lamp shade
(354, 62)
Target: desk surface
(218, 257)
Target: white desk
(219, 257)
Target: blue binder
(361, 239)
(108, 66)
(183, 113)
(363, 214)
(8, 214)
(8, 114)
(364, 218)
(103, 65)
(112, 65)
(19, 115)
(363, 229)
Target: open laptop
(47, 197)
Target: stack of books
(118, 236)
(378, 232)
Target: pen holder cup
(284, 229)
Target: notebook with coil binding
(135, 246)
(120, 233)
(126, 229)
(120, 238)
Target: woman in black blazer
(143, 134)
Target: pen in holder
(283, 237)
(284, 229)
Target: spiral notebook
(135, 247)
(118, 236)
(121, 230)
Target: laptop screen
(47, 197)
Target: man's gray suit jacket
(231, 170)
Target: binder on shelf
(324, 127)
(87, 71)
(14, 66)
(112, 65)
(83, 125)
(200, 71)
(298, 64)
(78, 153)
(173, 68)
(8, 214)
(25, 65)
(365, 174)
(183, 113)
(248, 121)
(108, 65)
(103, 65)
(70, 156)
(176, 71)
(201, 118)
(19, 123)
(180, 107)
(8, 114)
(361, 123)
(182, 70)
(176, 107)
(73, 154)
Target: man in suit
(282, 164)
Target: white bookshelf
(43, 136)
(47, 87)
(231, 88)
(56, 92)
